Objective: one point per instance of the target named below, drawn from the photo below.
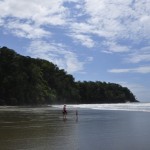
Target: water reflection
(32, 130)
(45, 129)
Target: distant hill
(29, 81)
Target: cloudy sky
(105, 40)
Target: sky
(94, 40)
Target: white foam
(126, 107)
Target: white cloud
(72, 63)
(121, 19)
(27, 30)
(107, 19)
(28, 18)
(41, 12)
(112, 46)
(81, 27)
(136, 58)
(140, 55)
(1, 22)
(143, 70)
(57, 54)
(119, 70)
(113, 21)
(84, 39)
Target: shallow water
(45, 129)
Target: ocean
(98, 127)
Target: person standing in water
(64, 112)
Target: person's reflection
(76, 115)
(64, 119)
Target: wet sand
(45, 129)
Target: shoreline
(142, 107)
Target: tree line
(29, 81)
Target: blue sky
(94, 40)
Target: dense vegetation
(28, 81)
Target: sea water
(98, 127)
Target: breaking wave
(126, 107)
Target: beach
(44, 128)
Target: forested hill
(29, 81)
